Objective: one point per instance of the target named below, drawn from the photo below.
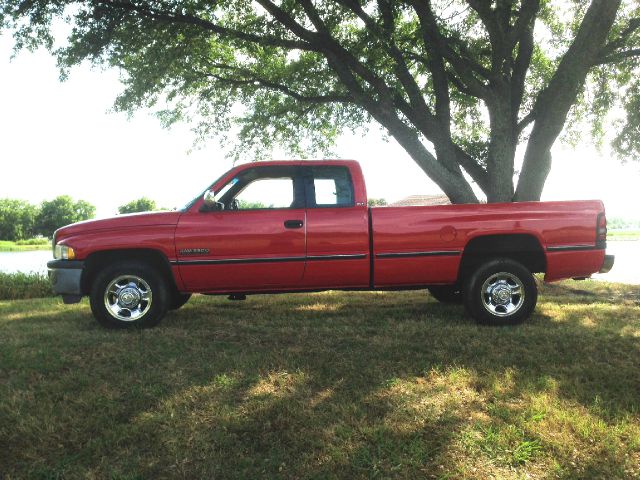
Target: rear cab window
(329, 187)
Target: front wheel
(129, 294)
(501, 292)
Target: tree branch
(473, 168)
(432, 38)
(174, 17)
(526, 120)
(487, 16)
(618, 57)
(522, 35)
(416, 98)
(325, 43)
(333, 97)
(553, 103)
(497, 31)
(619, 42)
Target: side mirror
(210, 202)
(210, 199)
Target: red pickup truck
(295, 226)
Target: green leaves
(17, 219)
(20, 220)
(61, 211)
(142, 204)
(457, 75)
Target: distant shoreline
(623, 235)
(9, 246)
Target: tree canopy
(17, 219)
(459, 84)
(61, 211)
(142, 204)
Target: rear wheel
(446, 293)
(501, 292)
(129, 294)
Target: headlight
(63, 252)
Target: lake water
(626, 268)
(35, 261)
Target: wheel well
(522, 248)
(98, 260)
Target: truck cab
(293, 226)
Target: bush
(19, 286)
(377, 202)
(34, 241)
(143, 204)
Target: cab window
(266, 193)
(264, 188)
(330, 186)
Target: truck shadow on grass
(327, 385)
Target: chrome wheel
(128, 298)
(502, 294)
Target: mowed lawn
(327, 385)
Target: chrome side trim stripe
(435, 253)
(565, 248)
(227, 261)
(354, 256)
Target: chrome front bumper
(66, 278)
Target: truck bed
(424, 245)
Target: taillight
(601, 231)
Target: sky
(61, 138)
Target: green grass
(623, 235)
(25, 245)
(327, 385)
(19, 286)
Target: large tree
(459, 84)
(17, 219)
(61, 211)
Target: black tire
(178, 300)
(447, 294)
(501, 276)
(133, 281)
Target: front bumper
(66, 278)
(607, 263)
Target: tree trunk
(447, 176)
(452, 183)
(502, 147)
(553, 103)
(535, 170)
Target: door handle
(293, 223)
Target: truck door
(256, 243)
(337, 230)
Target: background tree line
(21, 220)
